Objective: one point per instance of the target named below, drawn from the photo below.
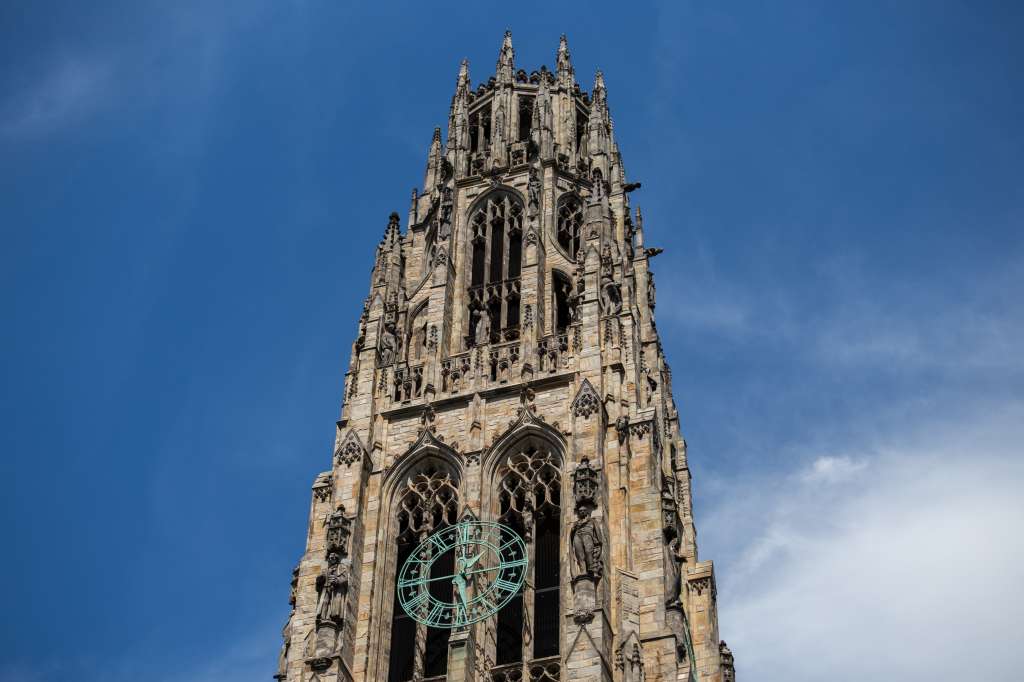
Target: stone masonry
(507, 366)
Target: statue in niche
(388, 344)
(650, 289)
(587, 543)
(611, 294)
(332, 587)
(584, 145)
(444, 228)
(482, 330)
(533, 191)
(674, 560)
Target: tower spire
(506, 60)
(563, 64)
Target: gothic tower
(507, 368)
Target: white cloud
(827, 469)
(72, 88)
(902, 563)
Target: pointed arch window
(495, 267)
(429, 503)
(569, 224)
(529, 500)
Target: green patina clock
(489, 568)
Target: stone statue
(332, 586)
(444, 228)
(482, 332)
(650, 289)
(533, 191)
(587, 544)
(674, 559)
(611, 294)
(584, 145)
(388, 344)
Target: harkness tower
(507, 374)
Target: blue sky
(191, 195)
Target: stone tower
(507, 367)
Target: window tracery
(569, 225)
(494, 291)
(529, 500)
(429, 502)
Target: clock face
(486, 568)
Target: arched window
(497, 246)
(429, 502)
(569, 225)
(529, 500)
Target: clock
(489, 563)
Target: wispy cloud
(902, 562)
(73, 87)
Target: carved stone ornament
(322, 486)
(339, 530)
(622, 428)
(587, 540)
(351, 449)
(586, 401)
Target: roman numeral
(505, 585)
(415, 602)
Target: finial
(462, 81)
(506, 60)
(437, 135)
(598, 81)
(563, 63)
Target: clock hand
(449, 577)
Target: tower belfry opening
(507, 377)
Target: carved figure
(674, 559)
(332, 587)
(388, 344)
(587, 543)
(482, 332)
(650, 290)
(533, 191)
(611, 294)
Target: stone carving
(622, 428)
(650, 290)
(322, 486)
(350, 450)
(533, 193)
(585, 535)
(339, 529)
(388, 345)
(444, 227)
(286, 645)
(611, 291)
(294, 593)
(332, 587)
(728, 662)
(586, 402)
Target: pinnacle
(437, 135)
(506, 42)
(599, 80)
